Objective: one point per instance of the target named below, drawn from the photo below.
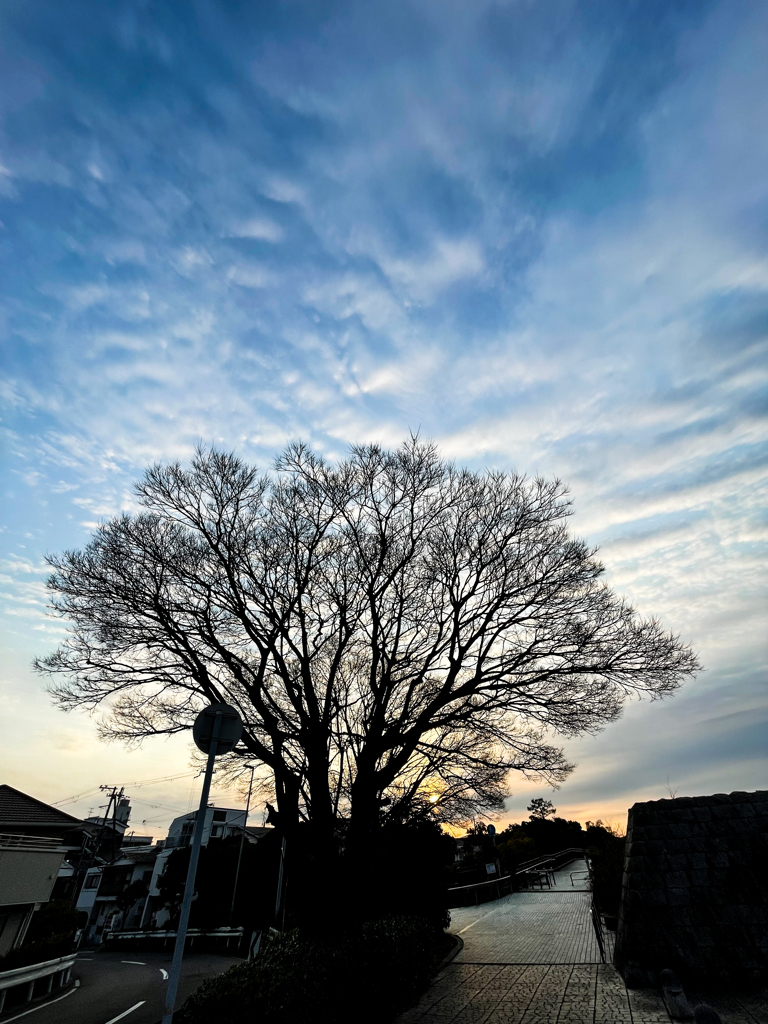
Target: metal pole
(240, 853)
(189, 888)
(278, 900)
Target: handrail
(524, 865)
(479, 885)
(597, 924)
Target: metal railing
(503, 887)
(11, 841)
(526, 868)
(561, 857)
(167, 935)
(49, 972)
(597, 924)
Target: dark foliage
(550, 835)
(410, 865)
(51, 934)
(606, 855)
(541, 808)
(479, 850)
(214, 883)
(368, 974)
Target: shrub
(607, 860)
(50, 935)
(370, 973)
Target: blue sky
(536, 232)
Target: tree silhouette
(541, 809)
(392, 628)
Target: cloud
(537, 235)
(263, 230)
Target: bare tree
(390, 628)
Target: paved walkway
(533, 994)
(528, 928)
(553, 926)
(532, 958)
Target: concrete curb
(458, 945)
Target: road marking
(164, 974)
(43, 1005)
(126, 1012)
(468, 927)
(140, 963)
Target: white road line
(43, 1005)
(164, 974)
(466, 929)
(141, 963)
(126, 1012)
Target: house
(115, 895)
(34, 841)
(220, 822)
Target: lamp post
(240, 852)
(216, 731)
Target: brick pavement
(532, 958)
(528, 928)
(533, 994)
(552, 926)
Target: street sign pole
(189, 888)
(217, 730)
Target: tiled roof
(695, 889)
(19, 809)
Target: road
(128, 987)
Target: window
(91, 882)
(217, 830)
(219, 815)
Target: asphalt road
(128, 987)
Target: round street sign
(230, 728)
(491, 830)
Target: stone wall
(695, 890)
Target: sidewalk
(532, 958)
(534, 994)
(553, 926)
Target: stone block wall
(695, 890)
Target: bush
(369, 974)
(606, 855)
(50, 935)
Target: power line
(134, 785)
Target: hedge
(368, 974)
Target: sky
(534, 232)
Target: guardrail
(169, 934)
(50, 972)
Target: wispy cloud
(535, 234)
